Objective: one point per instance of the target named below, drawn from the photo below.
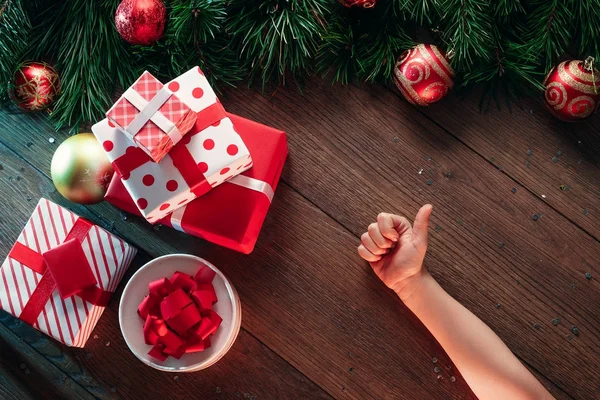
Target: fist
(396, 249)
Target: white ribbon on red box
(149, 111)
(240, 180)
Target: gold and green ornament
(573, 90)
(80, 169)
(35, 86)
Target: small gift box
(210, 154)
(61, 272)
(152, 116)
(233, 214)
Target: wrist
(412, 286)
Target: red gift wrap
(61, 272)
(152, 116)
(231, 215)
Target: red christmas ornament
(573, 90)
(423, 74)
(35, 86)
(141, 21)
(359, 3)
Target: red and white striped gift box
(24, 273)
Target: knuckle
(364, 237)
(372, 227)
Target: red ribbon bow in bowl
(178, 314)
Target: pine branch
(550, 27)
(467, 31)
(420, 11)
(504, 8)
(90, 57)
(194, 36)
(15, 28)
(277, 37)
(588, 37)
(336, 54)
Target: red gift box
(61, 272)
(152, 116)
(231, 215)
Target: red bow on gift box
(65, 267)
(178, 314)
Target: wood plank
(247, 370)
(30, 375)
(537, 150)
(325, 323)
(356, 151)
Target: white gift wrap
(159, 188)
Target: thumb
(421, 225)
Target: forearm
(488, 366)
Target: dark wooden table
(317, 323)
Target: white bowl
(228, 307)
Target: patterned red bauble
(573, 90)
(141, 22)
(35, 86)
(359, 3)
(423, 74)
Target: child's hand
(396, 250)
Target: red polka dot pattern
(108, 145)
(142, 203)
(148, 180)
(182, 201)
(224, 171)
(209, 144)
(203, 167)
(172, 185)
(164, 207)
(197, 92)
(111, 124)
(217, 123)
(200, 71)
(232, 149)
(126, 176)
(173, 86)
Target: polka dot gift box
(239, 207)
(61, 272)
(210, 154)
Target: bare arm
(396, 250)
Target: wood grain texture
(485, 248)
(295, 302)
(24, 369)
(537, 150)
(105, 367)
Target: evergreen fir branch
(277, 37)
(377, 52)
(194, 36)
(504, 8)
(336, 54)
(549, 31)
(420, 11)
(588, 35)
(467, 27)
(90, 57)
(15, 28)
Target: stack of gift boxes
(171, 146)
